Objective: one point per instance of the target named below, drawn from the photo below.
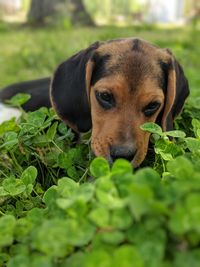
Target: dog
(113, 87)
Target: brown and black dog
(112, 88)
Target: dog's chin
(136, 162)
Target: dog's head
(114, 87)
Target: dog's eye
(105, 99)
(151, 108)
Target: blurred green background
(35, 36)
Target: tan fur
(170, 97)
(121, 126)
(134, 86)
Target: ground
(57, 209)
(31, 53)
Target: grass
(31, 53)
(57, 209)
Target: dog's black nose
(124, 152)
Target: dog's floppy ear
(176, 93)
(68, 90)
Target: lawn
(27, 53)
(58, 206)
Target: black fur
(68, 90)
(182, 90)
(136, 45)
(163, 80)
(38, 89)
(99, 67)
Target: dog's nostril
(117, 152)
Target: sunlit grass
(31, 53)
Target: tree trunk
(40, 9)
(79, 14)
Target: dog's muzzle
(124, 152)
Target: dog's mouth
(130, 152)
(147, 161)
(129, 155)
